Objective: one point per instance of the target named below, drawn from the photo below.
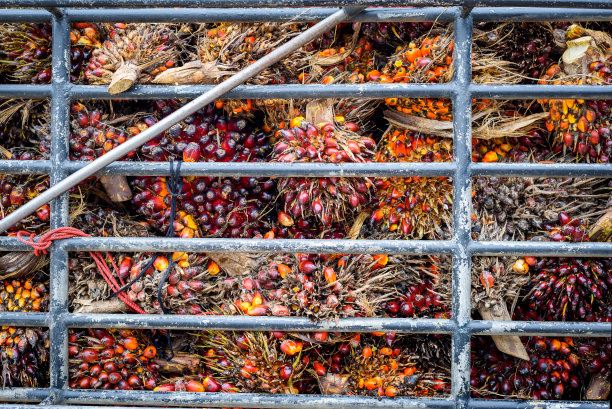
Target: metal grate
(461, 247)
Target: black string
(174, 185)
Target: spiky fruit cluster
(255, 362)
(191, 286)
(595, 354)
(18, 189)
(24, 352)
(23, 295)
(24, 357)
(326, 200)
(401, 145)
(509, 209)
(528, 46)
(386, 365)
(552, 372)
(413, 207)
(582, 126)
(26, 50)
(132, 53)
(111, 360)
(317, 286)
(228, 206)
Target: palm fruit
(26, 50)
(18, 189)
(98, 220)
(24, 352)
(111, 360)
(326, 200)
(132, 53)
(519, 208)
(253, 362)
(227, 206)
(579, 126)
(595, 354)
(402, 145)
(386, 365)
(552, 372)
(530, 47)
(417, 207)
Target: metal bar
(60, 131)
(25, 167)
(239, 322)
(598, 4)
(462, 200)
(248, 400)
(525, 91)
(538, 248)
(518, 404)
(376, 14)
(540, 328)
(25, 319)
(542, 169)
(24, 395)
(25, 90)
(133, 143)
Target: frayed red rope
(46, 239)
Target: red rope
(46, 239)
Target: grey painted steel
(599, 4)
(133, 143)
(462, 211)
(461, 247)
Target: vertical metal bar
(462, 209)
(60, 130)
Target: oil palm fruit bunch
(530, 47)
(520, 208)
(19, 119)
(24, 352)
(228, 206)
(580, 126)
(132, 53)
(326, 200)
(319, 286)
(26, 50)
(256, 362)
(594, 354)
(552, 372)
(18, 189)
(111, 360)
(382, 364)
(417, 207)
(404, 145)
(191, 286)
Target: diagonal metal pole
(242, 76)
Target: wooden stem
(111, 306)
(194, 72)
(125, 76)
(602, 230)
(508, 344)
(116, 187)
(599, 388)
(182, 363)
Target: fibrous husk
(489, 124)
(20, 263)
(602, 229)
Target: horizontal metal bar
(247, 400)
(243, 322)
(377, 14)
(25, 167)
(24, 16)
(24, 319)
(276, 169)
(539, 248)
(12, 244)
(38, 91)
(603, 4)
(270, 91)
(525, 91)
(541, 328)
(235, 15)
(139, 244)
(24, 395)
(542, 169)
(541, 404)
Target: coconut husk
(491, 125)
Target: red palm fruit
(325, 200)
(194, 386)
(132, 53)
(291, 347)
(307, 267)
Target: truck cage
(61, 13)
